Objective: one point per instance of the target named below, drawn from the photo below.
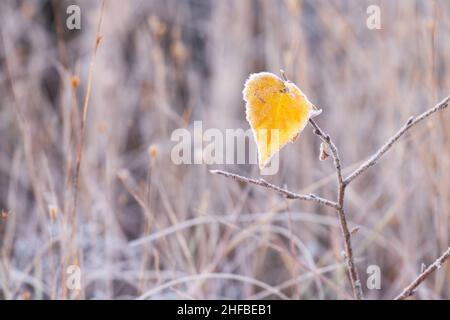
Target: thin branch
(411, 122)
(284, 192)
(352, 271)
(411, 288)
(349, 259)
(327, 140)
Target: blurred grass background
(162, 65)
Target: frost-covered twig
(284, 192)
(411, 288)
(334, 151)
(411, 122)
(352, 271)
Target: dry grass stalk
(85, 111)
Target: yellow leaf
(277, 111)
